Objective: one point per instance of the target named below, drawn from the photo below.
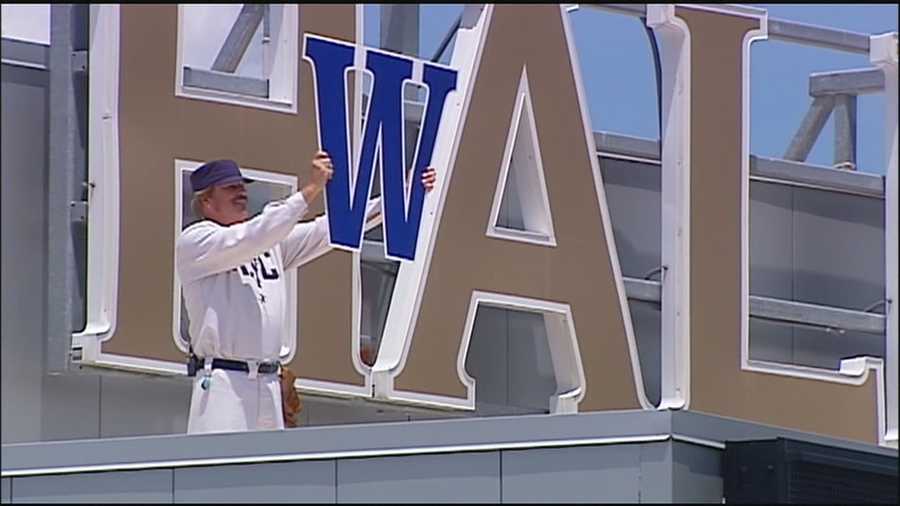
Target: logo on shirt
(258, 269)
(383, 139)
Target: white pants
(234, 402)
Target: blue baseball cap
(216, 173)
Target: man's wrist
(311, 191)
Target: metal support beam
(67, 169)
(842, 40)
(639, 147)
(801, 33)
(835, 318)
(24, 54)
(845, 132)
(817, 176)
(239, 38)
(810, 128)
(220, 81)
(789, 311)
(636, 10)
(846, 82)
(761, 168)
(643, 289)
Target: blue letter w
(383, 136)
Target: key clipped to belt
(207, 374)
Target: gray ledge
(401, 438)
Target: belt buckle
(253, 368)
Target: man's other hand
(429, 176)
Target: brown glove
(291, 405)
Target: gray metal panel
(324, 410)
(335, 412)
(459, 477)
(124, 486)
(771, 238)
(771, 341)
(6, 493)
(592, 473)
(509, 357)
(486, 359)
(647, 320)
(258, 483)
(771, 266)
(71, 406)
(510, 213)
(839, 261)
(825, 348)
(696, 473)
(839, 249)
(818, 246)
(656, 472)
(140, 405)
(531, 379)
(633, 195)
(23, 250)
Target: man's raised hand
(320, 172)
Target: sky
(617, 68)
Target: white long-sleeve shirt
(233, 277)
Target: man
(232, 272)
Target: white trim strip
(699, 441)
(744, 11)
(283, 79)
(388, 452)
(23, 64)
(627, 158)
(600, 192)
(675, 206)
(530, 186)
(883, 54)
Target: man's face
(227, 204)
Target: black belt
(196, 363)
